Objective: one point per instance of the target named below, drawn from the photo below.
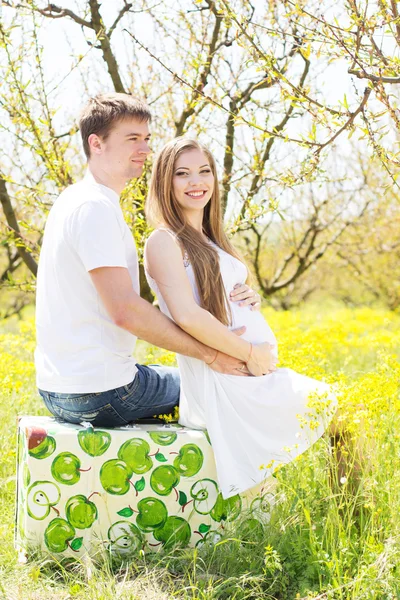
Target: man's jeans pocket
(96, 408)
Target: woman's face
(193, 181)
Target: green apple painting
(66, 468)
(58, 534)
(42, 497)
(152, 514)
(135, 452)
(164, 479)
(189, 460)
(125, 538)
(94, 443)
(141, 488)
(175, 532)
(80, 512)
(40, 444)
(115, 477)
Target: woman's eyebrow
(187, 168)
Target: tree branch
(228, 155)
(203, 77)
(373, 78)
(256, 181)
(105, 45)
(275, 71)
(349, 122)
(218, 104)
(14, 261)
(96, 24)
(396, 17)
(53, 11)
(125, 9)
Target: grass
(324, 541)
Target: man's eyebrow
(138, 135)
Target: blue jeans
(154, 391)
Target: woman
(191, 265)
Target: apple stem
(154, 545)
(84, 470)
(133, 485)
(93, 494)
(69, 545)
(199, 533)
(132, 509)
(174, 452)
(158, 450)
(56, 510)
(185, 505)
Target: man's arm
(130, 312)
(95, 234)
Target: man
(89, 312)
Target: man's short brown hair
(103, 111)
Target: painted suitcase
(137, 488)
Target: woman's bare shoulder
(163, 244)
(162, 237)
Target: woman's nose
(194, 179)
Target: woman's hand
(245, 296)
(262, 360)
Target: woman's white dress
(254, 423)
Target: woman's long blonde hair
(163, 209)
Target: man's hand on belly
(229, 365)
(245, 296)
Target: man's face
(123, 154)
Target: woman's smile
(197, 194)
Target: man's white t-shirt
(79, 349)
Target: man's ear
(95, 143)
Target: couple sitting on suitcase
(89, 312)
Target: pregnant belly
(257, 328)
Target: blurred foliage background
(298, 100)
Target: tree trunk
(13, 225)
(145, 290)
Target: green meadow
(329, 537)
